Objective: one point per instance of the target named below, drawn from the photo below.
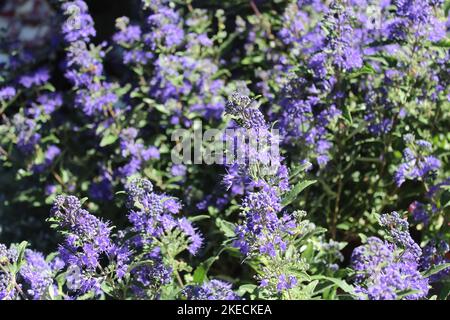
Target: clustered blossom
(7, 257)
(301, 120)
(387, 269)
(87, 240)
(38, 274)
(84, 62)
(253, 145)
(50, 155)
(339, 44)
(418, 163)
(415, 18)
(91, 254)
(37, 78)
(134, 150)
(180, 68)
(211, 290)
(6, 93)
(419, 212)
(329, 48)
(435, 254)
(343, 81)
(265, 229)
(27, 135)
(154, 214)
(246, 112)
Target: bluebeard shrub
(357, 90)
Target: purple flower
(7, 258)
(211, 290)
(6, 93)
(37, 78)
(383, 272)
(418, 164)
(128, 34)
(434, 254)
(37, 274)
(79, 24)
(152, 215)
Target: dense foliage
(356, 206)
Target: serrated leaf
(226, 227)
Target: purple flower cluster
(37, 78)
(263, 230)
(415, 18)
(38, 274)
(26, 130)
(304, 119)
(183, 63)
(152, 215)
(50, 155)
(386, 270)
(418, 163)
(7, 93)
(246, 112)
(84, 62)
(398, 229)
(87, 242)
(310, 101)
(135, 151)
(435, 253)
(7, 258)
(419, 212)
(211, 290)
(339, 42)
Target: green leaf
(20, 254)
(445, 43)
(406, 293)
(226, 45)
(339, 282)
(161, 108)
(366, 69)
(246, 288)
(309, 289)
(199, 218)
(445, 291)
(301, 168)
(226, 227)
(108, 139)
(140, 263)
(293, 193)
(435, 269)
(445, 199)
(201, 271)
(199, 274)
